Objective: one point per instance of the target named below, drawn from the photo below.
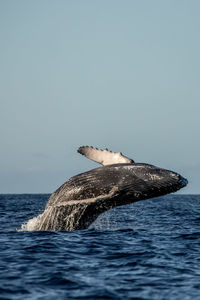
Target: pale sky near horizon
(124, 75)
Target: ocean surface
(147, 250)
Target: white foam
(30, 225)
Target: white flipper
(104, 157)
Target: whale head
(143, 181)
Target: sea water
(147, 250)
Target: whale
(77, 203)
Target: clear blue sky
(118, 74)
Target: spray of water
(30, 225)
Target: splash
(106, 221)
(31, 225)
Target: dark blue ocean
(147, 250)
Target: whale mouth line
(112, 193)
(82, 201)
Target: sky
(122, 75)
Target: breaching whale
(79, 201)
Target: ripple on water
(148, 250)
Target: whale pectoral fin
(104, 157)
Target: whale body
(80, 200)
